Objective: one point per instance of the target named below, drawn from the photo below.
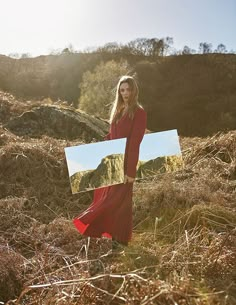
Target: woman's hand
(128, 179)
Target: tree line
(149, 47)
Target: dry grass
(11, 280)
(184, 242)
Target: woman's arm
(133, 143)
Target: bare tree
(221, 48)
(139, 46)
(25, 55)
(157, 47)
(205, 47)
(110, 47)
(14, 55)
(186, 50)
(69, 49)
(168, 45)
(55, 51)
(152, 47)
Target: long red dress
(110, 213)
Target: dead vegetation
(184, 242)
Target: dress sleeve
(133, 143)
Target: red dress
(110, 213)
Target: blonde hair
(119, 104)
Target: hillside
(192, 93)
(184, 239)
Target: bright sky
(89, 156)
(38, 27)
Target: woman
(110, 213)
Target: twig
(154, 297)
(51, 209)
(70, 282)
(106, 292)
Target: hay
(221, 147)
(37, 169)
(183, 249)
(11, 281)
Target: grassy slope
(184, 241)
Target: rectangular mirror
(101, 164)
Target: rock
(159, 165)
(109, 171)
(58, 122)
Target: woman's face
(125, 92)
